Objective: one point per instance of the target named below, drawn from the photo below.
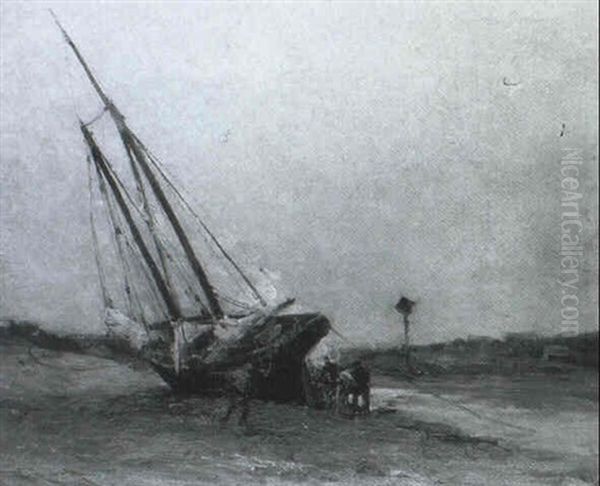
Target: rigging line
(151, 290)
(229, 271)
(140, 309)
(97, 117)
(166, 206)
(149, 220)
(127, 270)
(133, 204)
(181, 274)
(135, 257)
(150, 298)
(105, 295)
(241, 284)
(473, 412)
(158, 165)
(166, 244)
(128, 273)
(170, 250)
(189, 289)
(125, 191)
(237, 303)
(117, 232)
(178, 266)
(233, 300)
(189, 282)
(135, 297)
(234, 275)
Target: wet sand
(74, 420)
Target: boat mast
(102, 167)
(129, 141)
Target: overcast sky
(361, 151)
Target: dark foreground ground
(73, 420)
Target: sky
(358, 151)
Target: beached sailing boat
(190, 330)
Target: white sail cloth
(120, 325)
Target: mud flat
(73, 420)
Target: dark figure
(329, 380)
(330, 371)
(240, 387)
(239, 391)
(362, 389)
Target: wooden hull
(283, 354)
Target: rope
(136, 208)
(473, 412)
(194, 231)
(105, 295)
(131, 290)
(149, 219)
(180, 269)
(235, 302)
(115, 224)
(152, 290)
(158, 166)
(97, 117)
(116, 233)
